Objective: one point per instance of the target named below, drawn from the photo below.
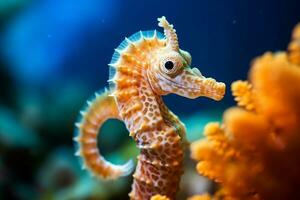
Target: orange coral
(254, 154)
(159, 197)
(200, 197)
(294, 47)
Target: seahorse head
(170, 70)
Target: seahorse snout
(194, 85)
(210, 88)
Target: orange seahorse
(144, 67)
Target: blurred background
(54, 55)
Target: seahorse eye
(169, 65)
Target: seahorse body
(144, 67)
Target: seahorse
(144, 67)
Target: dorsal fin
(135, 39)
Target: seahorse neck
(141, 110)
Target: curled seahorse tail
(101, 108)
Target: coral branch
(254, 153)
(294, 46)
(200, 197)
(159, 197)
(243, 94)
